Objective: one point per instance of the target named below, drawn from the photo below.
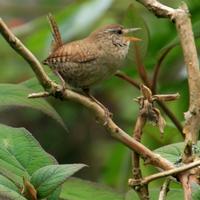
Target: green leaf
(8, 194)
(77, 189)
(20, 154)
(49, 178)
(195, 191)
(173, 152)
(8, 183)
(154, 194)
(16, 95)
(55, 195)
(152, 133)
(34, 84)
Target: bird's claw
(58, 93)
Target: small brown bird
(84, 63)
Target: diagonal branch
(157, 69)
(170, 172)
(162, 105)
(140, 66)
(115, 131)
(16, 44)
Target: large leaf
(34, 84)
(16, 95)
(154, 194)
(8, 194)
(49, 178)
(55, 195)
(195, 191)
(173, 152)
(20, 154)
(77, 189)
(152, 132)
(8, 183)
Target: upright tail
(55, 32)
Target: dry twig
(164, 190)
(191, 128)
(171, 172)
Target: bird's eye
(119, 31)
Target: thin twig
(39, 94)
(164, 189)
(187, 191)
(157, 69)
(171, 115)
(184, 28)
(161, 104)
(140, 66)
(175, 171)
(191, 128)
(115, 131)
(16, 44)
(142, 191)
(127, 78)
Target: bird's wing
(74, 52)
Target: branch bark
(164, 190)
(192, 118)
(162, 105)
(170, 172)
(184, 28)
(142, 191)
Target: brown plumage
(86, 62)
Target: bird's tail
(55, 32)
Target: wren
(84, 63)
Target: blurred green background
(87, 142)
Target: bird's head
(117, 34)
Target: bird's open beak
(130, 38)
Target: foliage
(22, 157)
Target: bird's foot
(58, 92)
(108, 114)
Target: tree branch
(160, 103)
(164, 189)
(115, 131)
(142, 191)
(16, 44)
(191, 128)
(184, 29)
(157, 69)
(128, 79)
(175, 171)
